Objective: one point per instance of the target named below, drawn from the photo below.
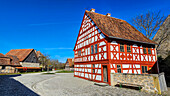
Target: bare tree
(54, 63)
(44, 60)
(148, 23)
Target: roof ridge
(20, 53)
(107, 16)
(118, 28)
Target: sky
(52, 26)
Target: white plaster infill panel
(102, 43)
(29, 64)
(125, 65)
(98, 77)
(112, 71)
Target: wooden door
(105, 74)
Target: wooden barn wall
(31, 58)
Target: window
(118, 68)
(149, 50)
(144, 50)
(86, 37)
(93, 65)
(79, 53)
(95, 48)
(128, 48)
(93, 68)
(92, 49)
(144, 69)
(121, 47)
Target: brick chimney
(92, 10)
(108, 14)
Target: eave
(132, 40)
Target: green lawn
(48, 73)
(17, 73)
(30, 72)
(64, 71)
(9, 73)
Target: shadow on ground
(11, 87)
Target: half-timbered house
(69, 65)
(109, 45)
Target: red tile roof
(15, 60)
(70, 61)
(20, 53)
(117, 28)
(2, 55)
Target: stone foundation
(7, 69)
(149, 81)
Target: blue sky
(52, 26)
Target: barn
(27, 59)
(108, 45)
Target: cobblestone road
(60, 84)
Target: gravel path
(60, 84)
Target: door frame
(103, 74)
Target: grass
(48, 73)
(18, 73)
(30, 72)
(58, 69)
(10, 73)
(64, 71)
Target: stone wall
(149, 81)
(7, 69)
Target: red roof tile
(117, 28)
(70, 61)
(20, 53)
(2, 55)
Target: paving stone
(60, 84)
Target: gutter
(132, 40)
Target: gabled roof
(70, 61)
(20, 53)
(117, 28)
(2, 55)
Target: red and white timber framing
(90, 66)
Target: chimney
(108, 14)
(92, 10)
